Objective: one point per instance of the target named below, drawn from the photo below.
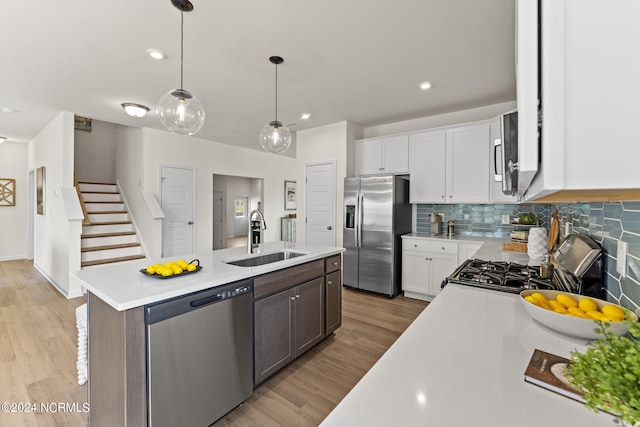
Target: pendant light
(178, 110)
(275, 137)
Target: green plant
(608, 373)
(529, 218)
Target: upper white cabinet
(450, 165)
(383, 155)
(589, 95)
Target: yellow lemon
(613, 312)
(191, 267)
(578, 312)
(567, 301)
(182, 263)
(557, 307)
(532, 300)
(596, 315)
(587, 304)
(167, 272)
(176, 269)
(541, 298)
(151, 269)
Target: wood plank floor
(38, 356)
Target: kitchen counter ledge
(123, 286)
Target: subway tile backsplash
(606, 223)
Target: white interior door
(320, 203)
(218, 237)
(178, 203)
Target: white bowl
(569, 325)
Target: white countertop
(123, 286)
(461, 363)
(491, 249)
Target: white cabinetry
(589, 92)
(383, 155)
(450, 165)
(425, 264)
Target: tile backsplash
(606, 223)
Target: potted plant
(608, 373)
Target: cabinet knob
(415, 246)
(380, 169)
(443, 248)
(450, 196)
(442, 197)
(297, 296)
(335, 263)
(329, 282)
(293, 298)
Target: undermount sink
(256, 260)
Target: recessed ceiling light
(305, 116)
(425, 85)
(135, 110)
(3, 139)
(155, 53)
(8, 109)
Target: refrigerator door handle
(359, 220)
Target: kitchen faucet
(263, 226)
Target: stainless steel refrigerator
(376, 213)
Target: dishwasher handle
(206, 301)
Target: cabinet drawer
(333, 263)
(283, 279)
(430, 246)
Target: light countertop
(491, 249)
(461, 363)
(124, 287)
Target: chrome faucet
(263, 226)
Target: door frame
(222, 223)
(194, 243)
(333, 163)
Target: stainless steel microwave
(509, 148)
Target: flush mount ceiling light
(3, 139)
(135, 110)
(425, 85)
(155, 53)
(275, 137)
(178, 110)
(305, 116)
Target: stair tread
(109, 223)
(103, 201)
(107, 247)
(96, 183)
(106, 212)
(111, 260)
(99, 192)
(115, 234)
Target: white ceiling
(356, 60)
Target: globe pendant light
(275, 137)
(178, 110)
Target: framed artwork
(40, 189)
(290, 195)
(7, 192)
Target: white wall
(56, 239)
(324, 143)
(13, 219)
(95, 153)
(463, 116)
(144, 150)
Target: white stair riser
(110, 253)
(101, 197)
(92, 207)
(98, 187)
(110, 240)
(112, 228)
(110, 217)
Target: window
(240, 208)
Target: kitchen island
(293, 304)
(461, 363)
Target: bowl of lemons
(171, 269)
(573, 314)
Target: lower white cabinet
(425, 264)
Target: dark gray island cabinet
(294, 309)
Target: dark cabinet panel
(333, 300)
(309, 314)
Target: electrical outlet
(506, 219)
(621, 258)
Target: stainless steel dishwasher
(199, 355)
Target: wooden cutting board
(553, 230)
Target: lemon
(176, 269)
(541, 298)
(182, 263)
(166, 272)
(191, 267)
(151, 269)
(557, 307)
(613, 312)
(567, 301)
(596, 315)
(578, 312)
(587, 304)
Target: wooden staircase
(108, 235)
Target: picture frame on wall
(290, 195)
(7, 192)
(40, 189)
